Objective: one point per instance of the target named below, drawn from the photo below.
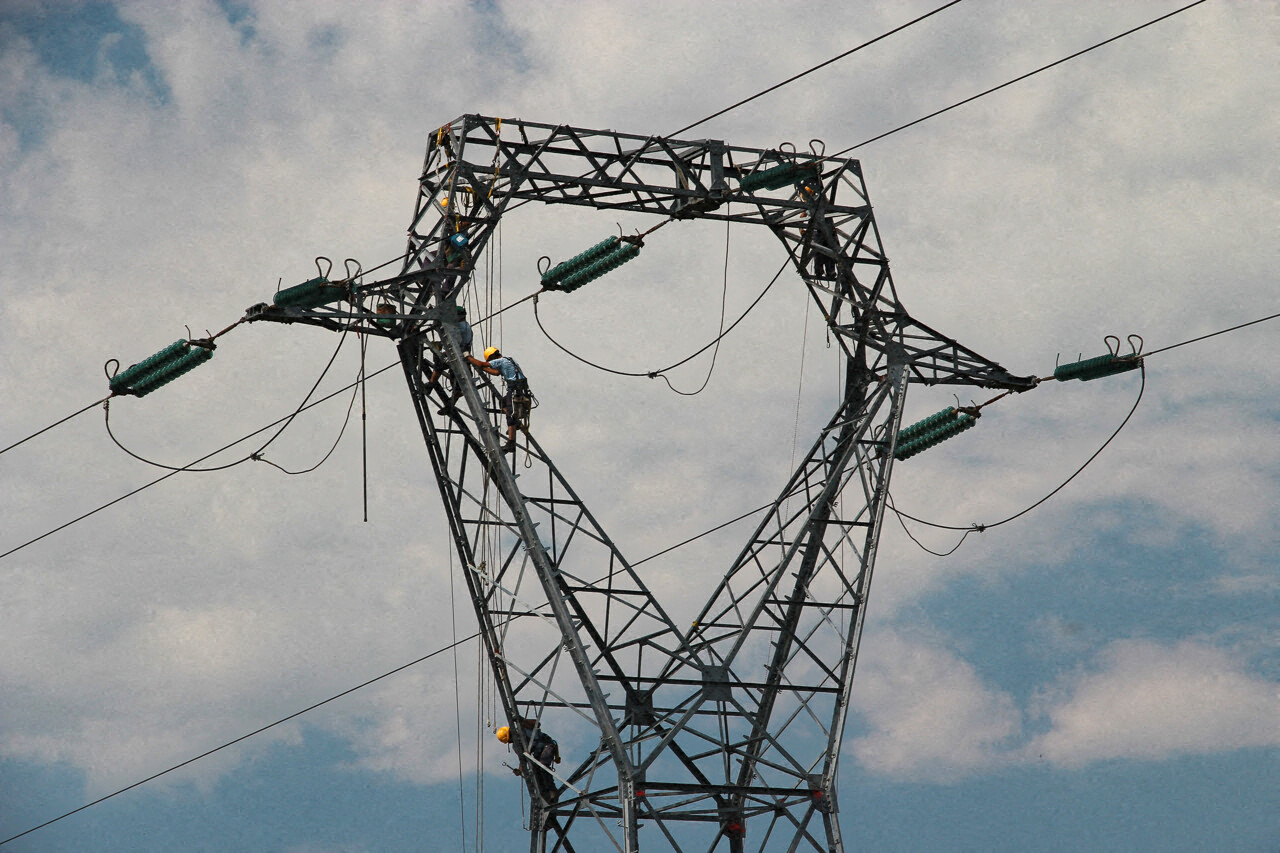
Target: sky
(1102, 673)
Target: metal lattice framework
(724, 735)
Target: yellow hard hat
(504, 734)
(490, 353)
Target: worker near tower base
(515, 399)
(542, 749)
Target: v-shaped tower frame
(720, 735)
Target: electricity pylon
(722, 735)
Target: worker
(542, 749)
(456, 256)
(515, 399)
(465, 338)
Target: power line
(1019, 79)
(196, 462)
(258, 731)
(1210, 335)
(656, 373)
(257, 454)
(980, 528)
(796, 77)
(57, 423)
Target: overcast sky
(1101, 674)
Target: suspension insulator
(123, 381)
(160, 369)
(922, 426)
(950, 424)
(592, 271)
(552, 277)
(1096, 368)
(310, 294)
(776, 177)
(615, 254)
(152, 381)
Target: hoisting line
(247, 736)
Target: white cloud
(930, 715)
(1030, 225)
(1149, 701)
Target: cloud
(1028, 226)
(1148, 701)
(930, 715)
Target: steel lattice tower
(724, 735)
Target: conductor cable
(244, 737)
(164, 477)
(652, 374)
(980, 528)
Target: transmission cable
(656, 373)
(257, 454)
(1211, 335)
(196, 462)
(980, 528)
(105, 399)
(796, 77)
(258, 731)
(1020, 78)
(721, 526)
(57, 423)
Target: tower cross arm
(931, 357)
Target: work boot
(509, 447)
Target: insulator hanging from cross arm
(603, 257)
(932, 431)
(162, 368)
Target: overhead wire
(655, 373)
(196, 462)
(980, 528)
(791, 79)
(820, 65)
(1020, 78)
(57, 423)
(244, 737)
(257, 454)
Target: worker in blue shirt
(515, 399)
